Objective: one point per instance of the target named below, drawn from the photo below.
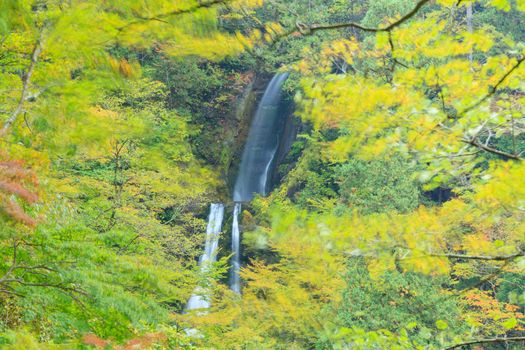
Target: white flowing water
(235, 279)
(257, 162)
(262, 144)
(256, 165)
(200, 297)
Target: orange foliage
(15, 181)
(490, 313)
(93, 340)
(145, 342)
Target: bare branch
(26, 81)
(314, 28)
(494, 89)
(59, 286)
(6, 277)
(36, 267)
(122, 249)
(482, 257)
(487, 278)
(485, 341)
(475, 143)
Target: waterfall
(257, 162)
(199, 299)
(262, 144)
(235, 280)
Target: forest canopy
(393, 209)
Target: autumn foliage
(396, 218)
(17, 186)
(147, 341)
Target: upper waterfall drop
(262, 144)
(257, 162)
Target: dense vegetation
(399, 220)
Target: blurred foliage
(125, 111)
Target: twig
(484, 341)
(129, 243)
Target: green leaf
(441, 325)
(510, 323)
(411, 325)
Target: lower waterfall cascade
(199, 300)
(235, 279)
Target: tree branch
(198, 6)
(482, 257)
(5, 278)
(59, 286)
(487, 278)
(26, 81)
(484, 341)
(314, 28)
(305, 30)
(494, 89)
(8, 279)
(489, 149)
(178, 12)
(122, 249)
